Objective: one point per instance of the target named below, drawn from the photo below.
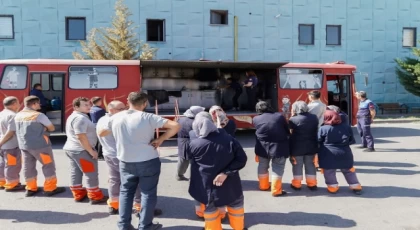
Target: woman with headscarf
(220, 118)
(303, 145)
(344, 117)
(183, 140)
(272, 145)
(216, 158)
(335, 139)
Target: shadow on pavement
(386, 132)
(49, 217)
(401, 172)
(177, 208)
(297, 219)
(182, 228)
(379, 192)
(384, 164)
(67, 194)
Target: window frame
(4, 71)
(312, 34)
(67, 28)
(415, 36)
(225, 13)
(164, 29)
(13, 26)
(52, 83)
(93, 66)
(40, 76)
(339, 35)
(303, 68)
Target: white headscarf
(193, 111)
(203, 125)
(220, 119)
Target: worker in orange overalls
(80, 148)
(10, 155)
(216, 158)
(35, 145)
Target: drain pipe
(235, 38)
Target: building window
(7, 27)
(218, 17)
(306, 34)
(155, 30)
(93, 77)
(14, 77)
(409, 37)
(75, 28)
(333, 35)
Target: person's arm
(172, 128)
(292, 125)
(100, 113)
(80, 127)
(351, 136)
(372, 111)
(237, 163)
(248, 83)
(43, 119)
(285, 126)
(321, 136)
(11, 130)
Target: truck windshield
(297, 78)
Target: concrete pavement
(390, 178)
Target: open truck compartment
(187, 85)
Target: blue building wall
(371, 32)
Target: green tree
(118, 42)
(408, 72)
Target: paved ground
(391, 196)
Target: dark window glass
(333, 35)
(218, 17)
(306, 34)
(76, 28)
(155, 30)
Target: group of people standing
(206, 142)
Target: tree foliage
(118, 42)
(408, 72)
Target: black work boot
(112, 211)
(55, 191)
(295, 188)
(357, 192)
(369, 150)
(313, 188)
(281, 194)
(104, 199)
(18, 187)
(30, 193)
(181, 178)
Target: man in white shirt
(140, 165)
(317, 108)
(10, 155)
(109, 148)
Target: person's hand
(156, 143)
(94, 154)
(218, 181)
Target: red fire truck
(173, 86)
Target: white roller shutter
(6, 27)
(409, 37)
